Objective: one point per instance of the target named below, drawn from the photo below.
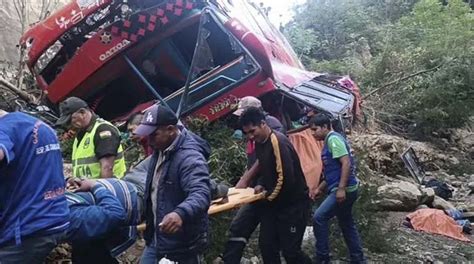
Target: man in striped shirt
(284, 213)
(104, 214)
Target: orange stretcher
(235, 199)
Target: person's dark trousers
(32, 250)
(243, 225)
(283, 229)
(343, 211)
(90, 252)
(150, 256)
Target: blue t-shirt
(32, 200)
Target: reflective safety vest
(84, 162)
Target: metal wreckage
(197, 57)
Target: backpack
(440, 188)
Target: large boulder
(427, 195)
(398, 196)
(382, 153)
(440, 203)
(471, 186)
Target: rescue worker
(246, 220)
(96, 151)
(33, 210)
(178, 193)
(341, 184)
(284, 213)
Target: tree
(24, 9)
(412, 58)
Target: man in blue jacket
(341, 183)
(177, 194)
(33, 208)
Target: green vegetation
(228, 158)
(227, 163)
(413, 59)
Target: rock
(440, 203)
(382, 153)
(465, 138)
(422, 206)
(456, 183)
(453, 160)
(429, 257)
(444, 141)
(471, 186)
(398, 196)
(427, 195)
(451, 178)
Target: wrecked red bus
(198, 57)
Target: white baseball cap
(247, 102)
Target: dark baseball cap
(68, 107)
(155, 116)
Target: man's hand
(315, 193)
(258, 189)
(248, 176)
(72, 184)
(85, 186)
(341, 195)
(171, 223)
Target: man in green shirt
(341, 183)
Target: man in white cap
(246, 220)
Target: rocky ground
(391, 194)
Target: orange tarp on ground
(436, 222)
(309, 152)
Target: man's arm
(284, 166)
(107, 166)
(318, 191)
(249, 175)
(339, 151)
(6, 149)
(195, 182)
(107, 142)
(345, 171)
(95, 221)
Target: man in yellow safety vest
(96, 152)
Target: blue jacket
(332, 167)
(111, 211)
(184, 188)
(93, 214)
(32, 201)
